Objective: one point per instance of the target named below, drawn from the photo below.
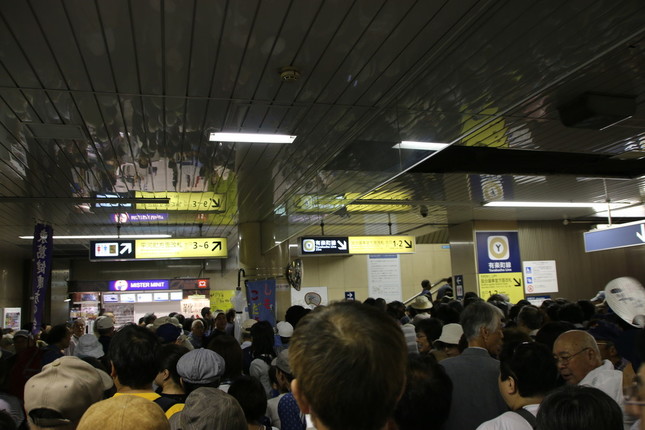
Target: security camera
(423, 210)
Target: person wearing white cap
(447, 345)
(104, 326)
(285, 331)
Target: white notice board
(384, 276)
(540, 277)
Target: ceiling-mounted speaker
(597, 111)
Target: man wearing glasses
(580, 363)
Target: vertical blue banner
(261, 298)
(43, 246)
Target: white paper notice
(540, 277)
(384, 277)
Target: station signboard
(615, 237)
(155, 249)
(335, 245)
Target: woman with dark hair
(249, 393)
(262, 353)
(578, 407)
(428, 330)
(231, 352)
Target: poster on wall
(384, 276)
(261, 299)
(193, 305)
(499, 268)
(309, 297)
(540, 277)
(123, 313)
(11, 318)
(221, 299)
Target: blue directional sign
(616, 237)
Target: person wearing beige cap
(447, 345)
(420, 308)
(124, 412)
(60, 394)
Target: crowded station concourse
(331, 214)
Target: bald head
(577, 354)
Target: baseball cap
(451, 334)
(209, 408)
(124, 412)
(103, 323)
(168, 332)
(88, 346)
(69, 386)
(282, 361)
(285, 329)
(200, 366)
(421, 303)
(604, 330)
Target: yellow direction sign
(381, 244)
(198, 202)
(508, 283)
(200, 247)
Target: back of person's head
(531, 317)
(149, 318)
(200, 368)
(133, 353)
(446, 313)
(294, 314)
(571, 312)
(57, 334)
(533, 368)
(477, 316)
(577, 407)
(425, 403)
(349, 363)
(229, 349)
(512, 338)
(206, 312)
(588, 309)
(249, 393)
(550, 332)
(61, 393)
(396, 310)
(263, 340)
(470, 300)
(209, 408)
(168, 357)
(124, 412)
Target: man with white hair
(474, 373)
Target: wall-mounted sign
(540, 277)
(112, 196)
(201, 202)
(150, 284)
(324, 245)
(499, 267)
(615, 237)
(151, 249)
(124, 218)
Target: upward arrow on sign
(217, 245)
(126, 248)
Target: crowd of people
(438, 363)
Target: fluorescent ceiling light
(500, 204)
(251, 137)
(423, 146)
(109, 236)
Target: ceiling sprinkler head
(289, 74)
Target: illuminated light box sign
(326, 245)
(201, 202)
(152, 249)
(112, 196)
(616, 237)
(124, 218)
(151, 284)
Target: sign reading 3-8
(152, 249)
